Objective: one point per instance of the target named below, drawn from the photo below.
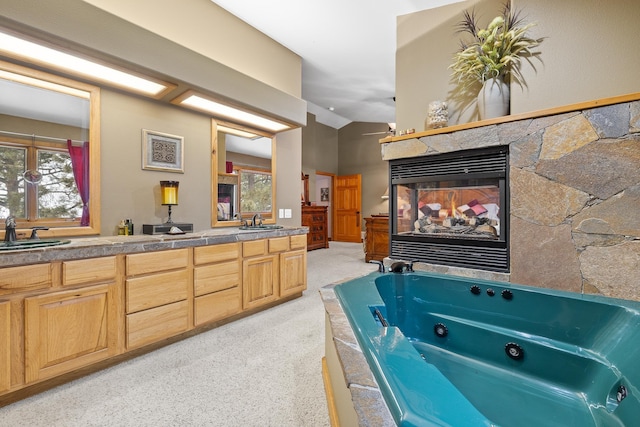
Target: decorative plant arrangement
(493, 54)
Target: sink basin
(31, 244)
(263, 227)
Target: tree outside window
(54, 199)
(255, 191)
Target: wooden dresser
(315, 217)
(376, 238)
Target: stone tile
(602, 168)
(612, 270)
(354, 365)
(567, 136)
(618, 215)
(582, 240)
(442, 143)
(611, 121)
(526, 151)
(544, 122)
(370, 408)
(511, 132)
(544, 256)
(634, 117)
(542, 201)
(485, 136)
(402, 149)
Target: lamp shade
(169, 192)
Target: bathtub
(453, 351)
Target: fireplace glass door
(463, 208)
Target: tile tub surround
(88, 247)
(574, 192)
(368, 403)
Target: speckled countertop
(93, 247)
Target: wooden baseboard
(328, 388)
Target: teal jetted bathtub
(464, 352)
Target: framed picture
(162, 152)
(324, 194)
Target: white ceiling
(347, 47)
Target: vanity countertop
(94, 247)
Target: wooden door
(348, 219)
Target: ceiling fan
(391, 131)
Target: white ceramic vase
(493, 99)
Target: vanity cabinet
(59, 318)
(157, 293)
(217, 275)
(272, 269)
(260, 273)
(68, 329)
(5, 346)
(293, 267)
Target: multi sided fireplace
(451, 209)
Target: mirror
(45, 181)
(243, 175)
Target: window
(54, 199)
(255, 192)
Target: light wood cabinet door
(5, 346)
(293, 272)
(68, 330)
(217, 305)
(260, 281)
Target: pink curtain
(80, 163)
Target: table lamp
(169, 195)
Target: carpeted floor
(264, 370)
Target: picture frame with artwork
(162, 151)
(324, 194)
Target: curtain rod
(30, 135)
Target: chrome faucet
(253, 220)
(10, 229)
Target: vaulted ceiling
(347, 49)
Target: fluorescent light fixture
(43, 84)
(237, 132)
(16, 47)
(236, 115)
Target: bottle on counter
(123, 229)
(129, 224)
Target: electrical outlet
(287, 213)
(281, 213)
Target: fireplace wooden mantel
(574, 191)
(515, 117)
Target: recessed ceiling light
(23, 49)
(331, 109)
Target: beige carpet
(264, 370)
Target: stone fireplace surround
(574, 192)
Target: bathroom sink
(263, 227)
(30, 244)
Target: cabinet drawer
(299, 241)
(213, 278)
(26, 278)
(217, 306)
(216, 253)
(254, 248)
(278, 244)
(156, 261)
(88, 270)
(155, 290)
(155, 324)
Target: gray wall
(360, 154)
